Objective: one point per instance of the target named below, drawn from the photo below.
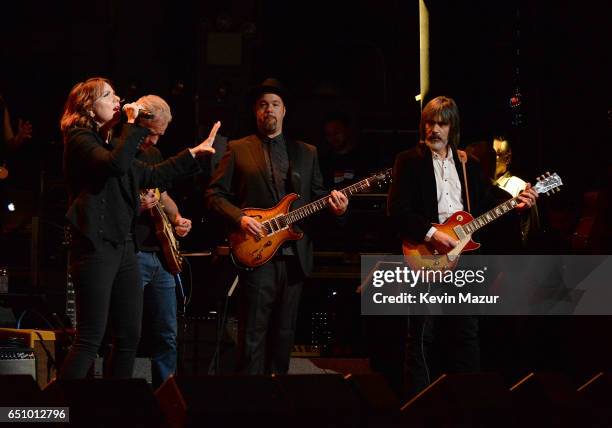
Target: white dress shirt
(448, 187)
(511, 184)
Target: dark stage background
(361, 58)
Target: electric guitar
(165, 236)
(461, 225)
(250, 251)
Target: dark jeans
(160, 306)
(455, 348)
(108, 287)
(270, 297)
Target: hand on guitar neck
(527, 197)
(338, 202)
(148, 199)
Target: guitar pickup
(459, 232)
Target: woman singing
(103, 181)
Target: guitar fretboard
(490, 215)
(283, 221)
(316, 206)
(70, 301)
(545, 184)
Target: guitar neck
(160, 210)
(491, 215)
(70, 301)
(318, 205)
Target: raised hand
(131, 111)
(206, 145)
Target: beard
(269, 125)
(436, 145)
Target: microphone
(142, 113)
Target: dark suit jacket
(104, 181)
(412, 202)
(242, 180)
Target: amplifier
(17, 361)
(42, 342)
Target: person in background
(341, 162)
(530, 220)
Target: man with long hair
(427, 188)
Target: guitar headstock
(548, 183)
(383, 176)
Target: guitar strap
(463, 159)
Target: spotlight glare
(11, 207)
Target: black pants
(108, 287)
(270, 297)
(455, 348)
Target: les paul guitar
(250, 251)
(461, 225)
(165, 236)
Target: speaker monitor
(317, 399)
(547, 398)
(478, 399)
(223, 400)
(379, 405)
(596, 393)
(106, 402)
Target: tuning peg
(538, 178)
(548, 173)
(548, 193)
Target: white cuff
(430, 233)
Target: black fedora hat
(268, 86)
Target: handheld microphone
(142, 113)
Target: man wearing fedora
(258, 171)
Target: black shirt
(277, 159)
(145, 229)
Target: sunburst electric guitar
(461, 225)
(250, 251)
(165, 236)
